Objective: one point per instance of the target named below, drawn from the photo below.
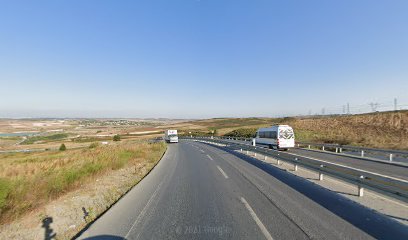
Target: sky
(200, 58)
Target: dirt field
(31, 134)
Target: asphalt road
(382, 168)
(198, 191)
(368, 165)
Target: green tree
(62, 147)
(116, 138)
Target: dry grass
(378, 130)
(8, 142)
(228, 123)
(29, 180)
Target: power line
(390, 105)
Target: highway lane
(395, 171)
(372, 166)
(200, 192)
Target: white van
(278, 136)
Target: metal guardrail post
(360, 191)
(337, 150)
(277, 160)
(323, 148)
(360, 187)
(321, 174)
(362, 153)
(295, 167)
(390, 157)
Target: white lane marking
(257, 220)
(143, 212)
(210, 157)
(222, 171)
(201, 150)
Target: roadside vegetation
(379, 130)
(29, 180)
(242, 132)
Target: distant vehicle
(278, 136)
(170, 136)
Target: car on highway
(277, 136)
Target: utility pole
(323, 111)
(373, 106)
(348, 108)
(395, 104)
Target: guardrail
(389, 155)
(383, 184)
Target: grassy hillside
(378, 130)
(29, 180)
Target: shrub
(5, 187)
(116, 138)
(195, 133)
(94, 145)
(212, 131)
(62, 147)
(242, 132)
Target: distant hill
(378, 130)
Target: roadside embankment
(48, 193)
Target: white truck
(170, 136)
